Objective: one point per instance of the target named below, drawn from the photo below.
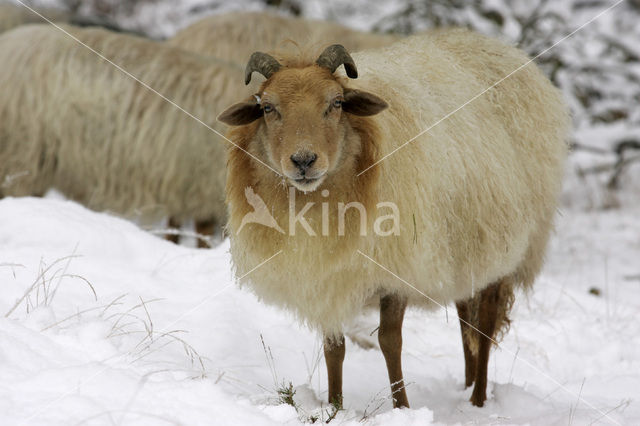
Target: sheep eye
(337, 103)
(267, 108)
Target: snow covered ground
(121, 327)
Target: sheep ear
(361, 103)
(241, 113)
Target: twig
(149, 328)
(625, 402)
(513, 364)
(36, 282)
(12, 266)
(270, 361)
(70, 317)
(55, 289)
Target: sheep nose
(303, 160)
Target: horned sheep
(72, 121)
(461, 133)
(226, 35)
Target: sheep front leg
(334, 350)
(488, 314)
(206, 228)
(469, 359)
(173, 224)
(392, 309)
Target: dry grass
(45, 286)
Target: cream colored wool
(72, 121)
(482, 186)
(235, 36)
(13, 15)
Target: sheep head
(303, 115)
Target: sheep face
(304, 123)
(304, 126)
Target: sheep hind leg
(174, 225)
(487, 319)
(205, 228)
(392, 309)
(334, 350)
(469, 358)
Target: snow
(169, 338)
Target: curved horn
(262, 63)
(336, 55)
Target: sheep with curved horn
(383, 204)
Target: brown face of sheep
(303, 113)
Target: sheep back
(13, 15)
(235, 36)
(73, 121)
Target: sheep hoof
(478, 397)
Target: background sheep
(235, 36)
(72, 121)
(476, 194)
(13, 15)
